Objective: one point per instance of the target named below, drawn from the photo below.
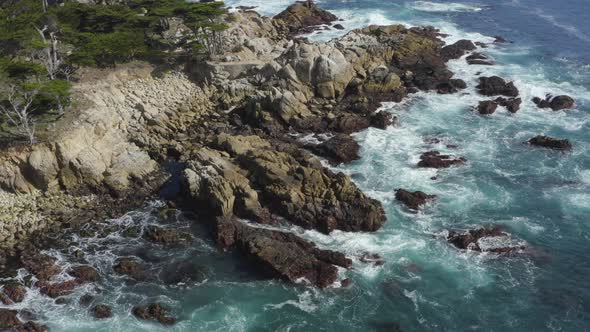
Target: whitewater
(541, 197)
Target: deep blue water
(541, 197)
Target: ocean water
(541, 197)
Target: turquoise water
(541, 197)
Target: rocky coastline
(233, 128)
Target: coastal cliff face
(235, 124)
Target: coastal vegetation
(42, 46)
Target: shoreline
(244, 164)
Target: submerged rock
(550, 142)
(183, 273)
(555, 103)
(485, 239)
(154, 311)
(131, 267)
(413, 200)
(166, 236)
(338, 149)
(55, 290)
(434, 159)
(102, 311)
(494, 86)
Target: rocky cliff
(234, 124)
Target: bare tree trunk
(45, 5)
(19, 114)
(49, 55)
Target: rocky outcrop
(511, 104)
(487, 107)
(486, 239)
(550, 142)
(555, 103)
(413, 200)
(434, 159)
(13, 292)
(155, 312)
(338, 149)
(495, 86)
(281, 255)
(303, 17)
(457, 50)
(248, 176)
(166, 236)
(477, 58)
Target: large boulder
(413, 200)
(457, 50)
(550, 142)
(555, 103)
(131, 267)
(280, 254)
(338, 149)
(15, 292)
(434, 159)
(485, 239)
(166, 236)
(511, 104)
(487, 107)
(84, 273)
(302, 17)
(102, 311)
(494, 86)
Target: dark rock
(494, 86)
(338, 26)
(374, 259)
(102, 311)
(338, 149)
(485, 239)
(131, 267)
(500, 39)
(479, 59)
(345, 283)
(58, 289)
(555, 103)
(457, 50)
(15, 291)
(303, 17)
(433, 159)
(281, 255)
(33, 327)
(9, 320)
(551, 143)
(166, 236)
(413, 200)
(41, 266)
(381, 120)
(84, 273)
(487, 107)
(183, 273)
(512, 104)
(451, 86)
(155, 312)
